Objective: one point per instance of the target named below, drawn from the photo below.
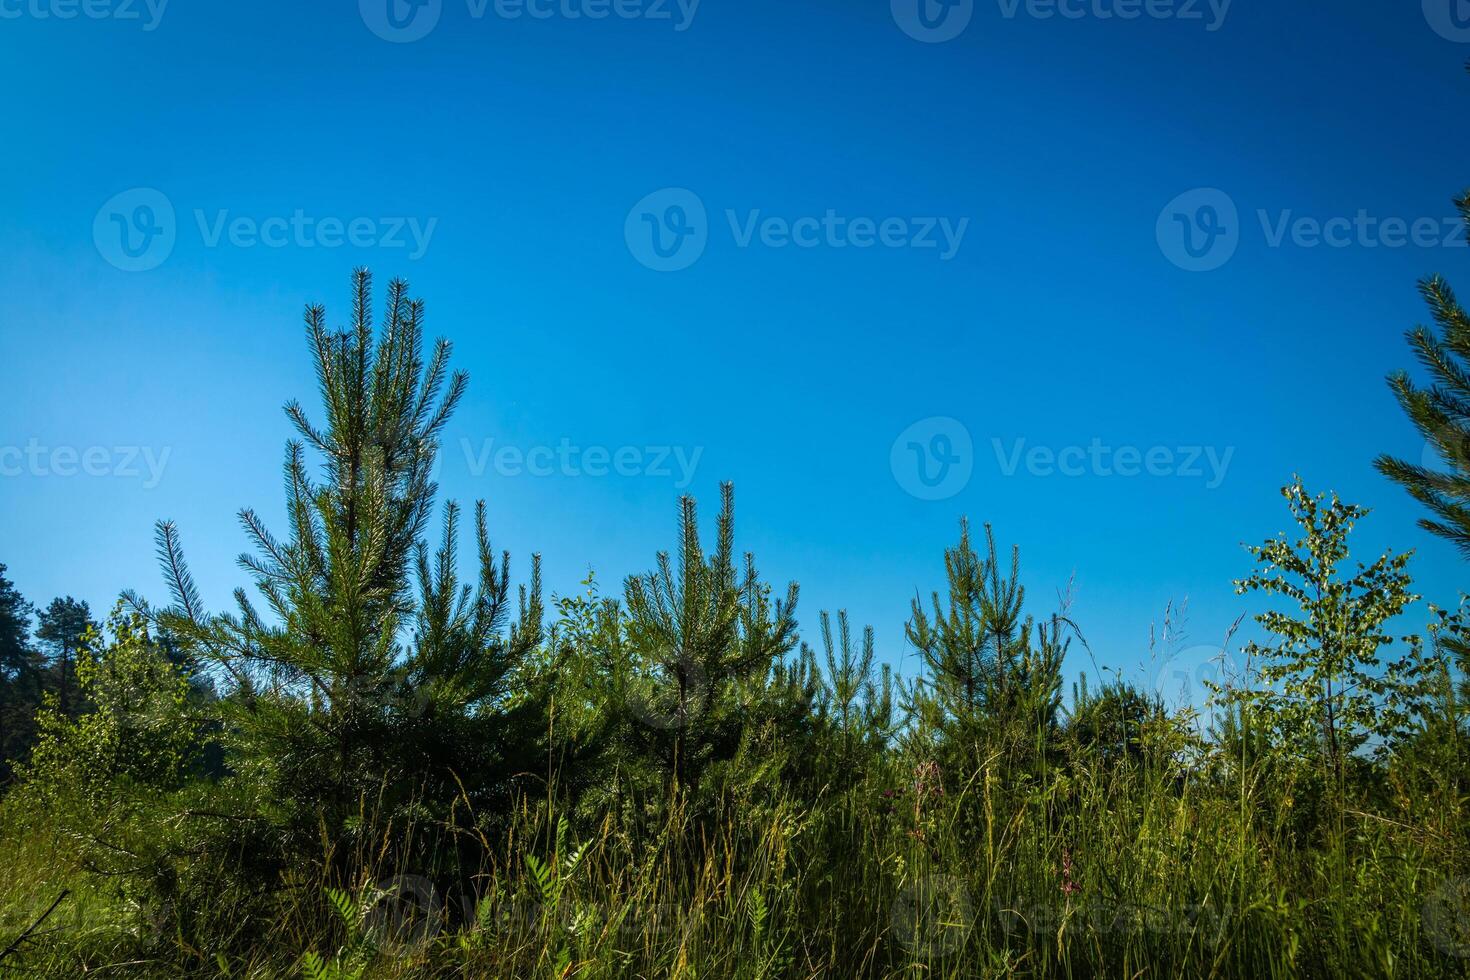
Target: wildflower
(928, 779)
(1069, 886)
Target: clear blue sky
(1050, 145)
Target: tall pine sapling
(989, 687)
(702, 636)
(372, 665)
(857, 704)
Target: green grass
(1085, 873)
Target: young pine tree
(990, 688)
(705, 643)
(373, 676)
(858, 705)
(1117, 725)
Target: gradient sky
(1060, 145)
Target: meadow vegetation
(389, 761)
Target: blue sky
(886, 237)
